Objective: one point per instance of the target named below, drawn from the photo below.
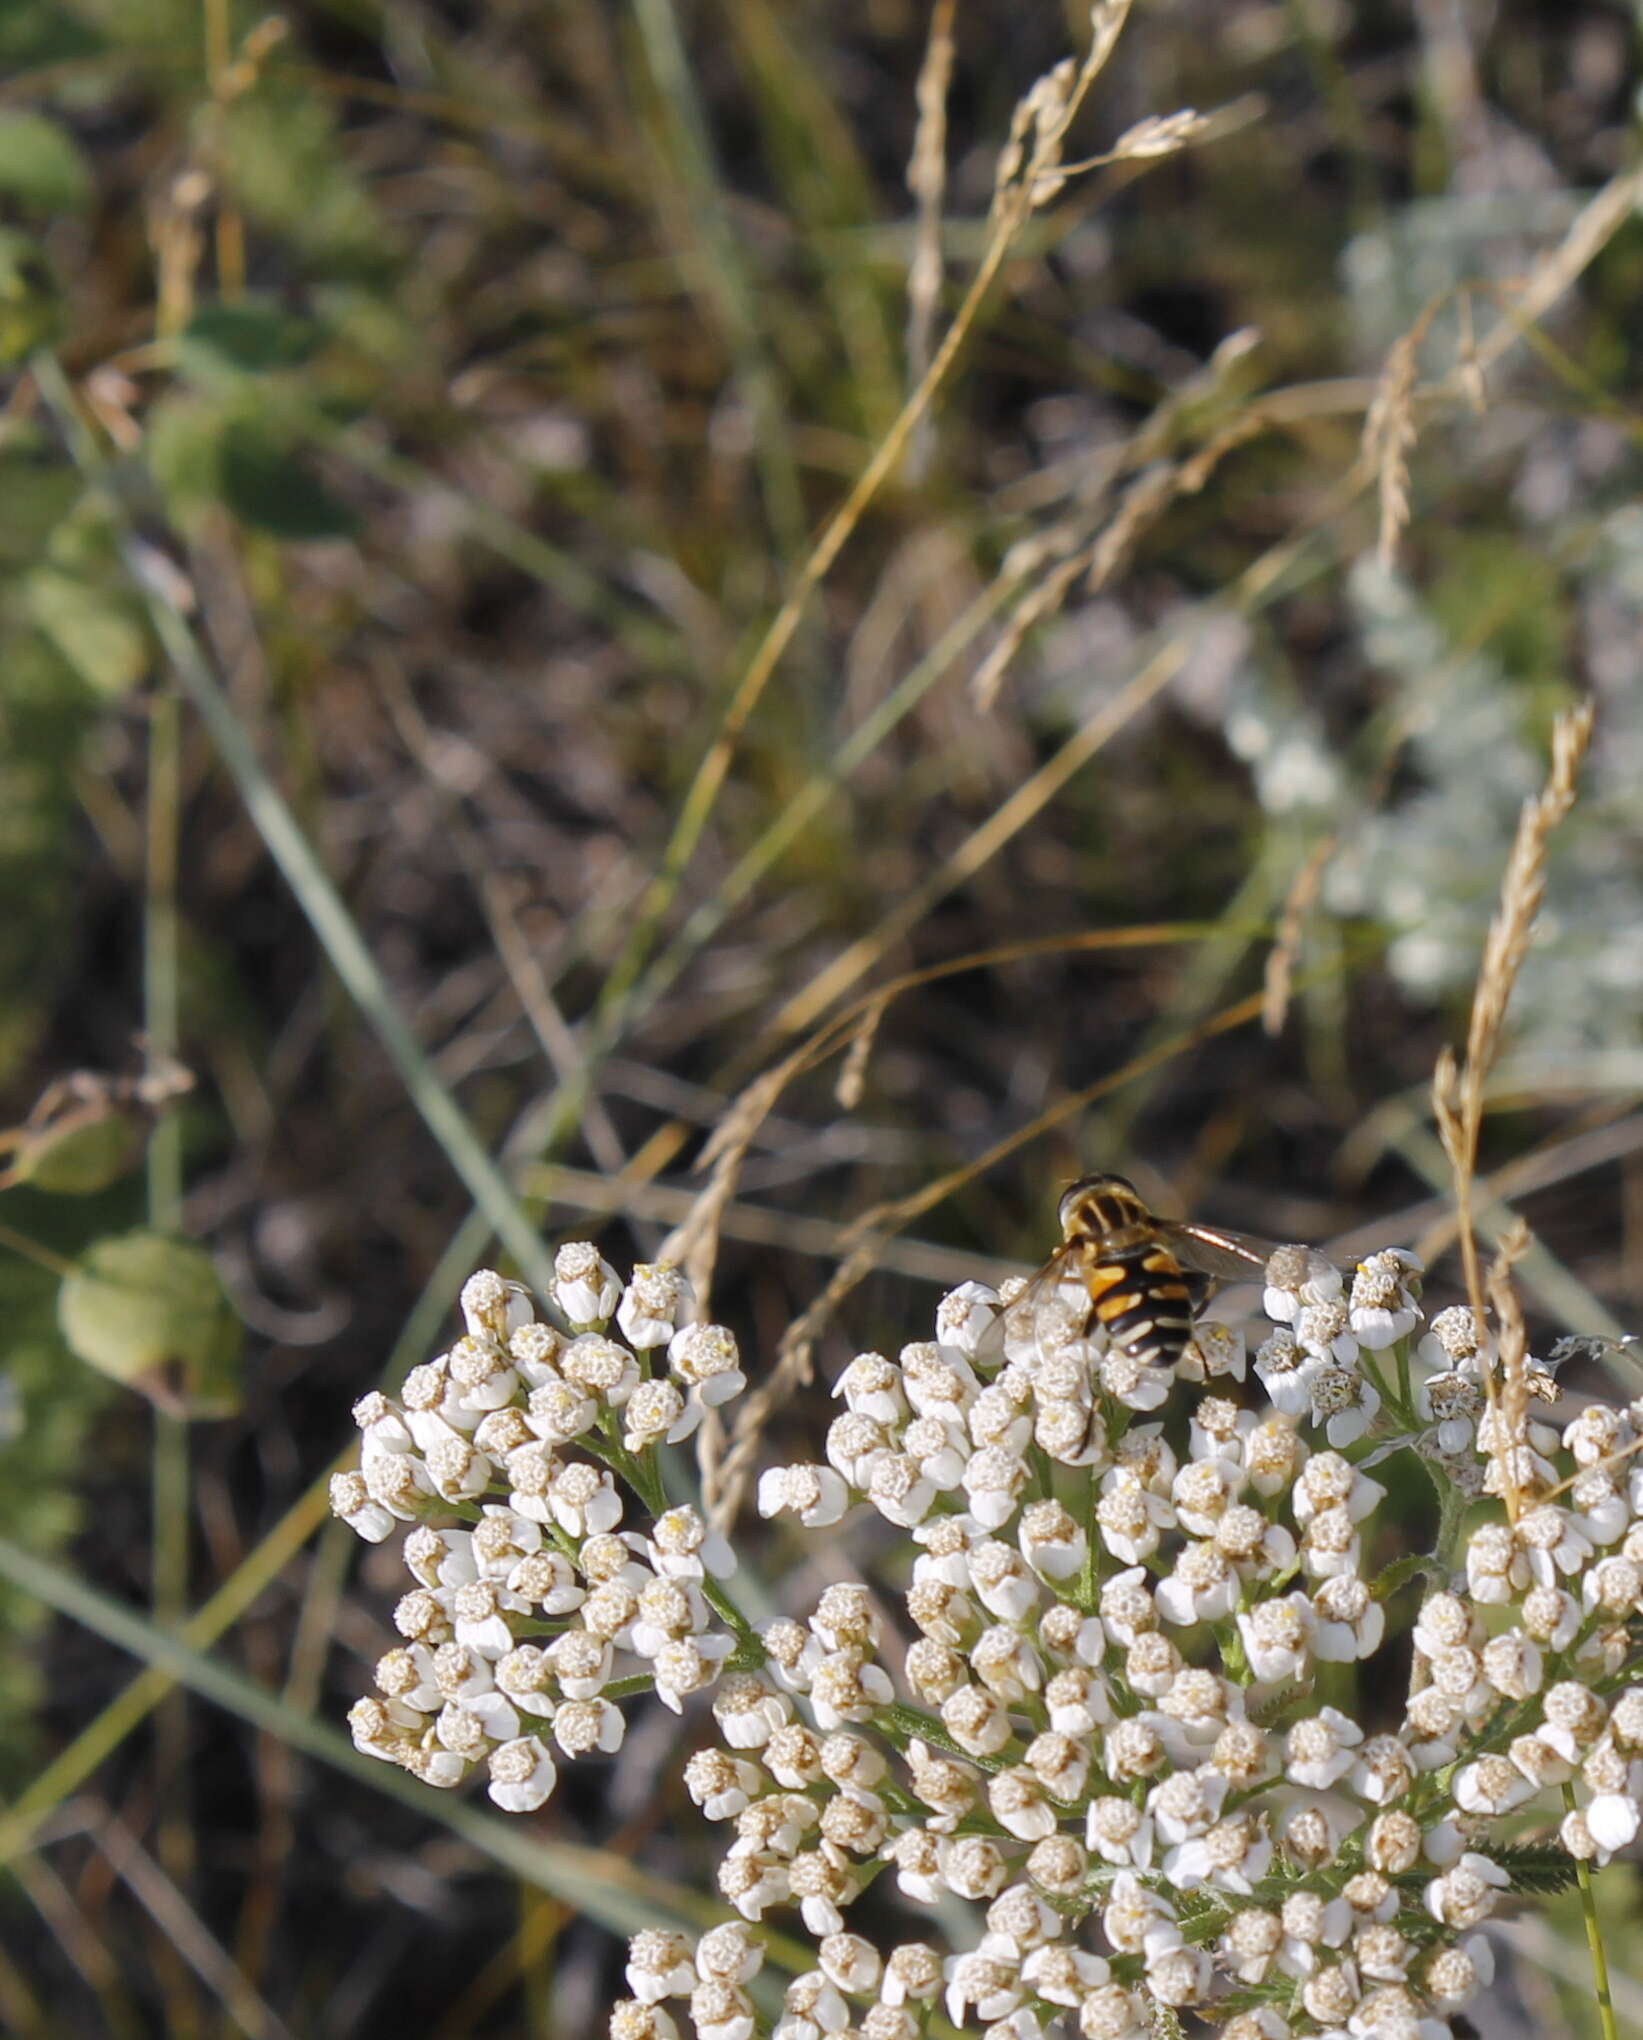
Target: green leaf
(249, 337)
(270, 485)
(79, 1155)
(95, 630)
(41, 166)
(1402, 1571)
(38, 32)
(39, 493)
(31, 309)
(151, 1312)
(1535, 1866)
(182, 445)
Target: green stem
(1594, 1939)
(170, 1476)
(1453, 1503)
(727, 1611)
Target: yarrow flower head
(536, 1589)
(1090, 1719)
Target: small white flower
(1350, 1622)
(993, 1480)
(1062, 1975)
(600, 1367)
(1277, 1637)
(899, 1491)
(585, 1285)
(1204, 1587)
(705, 1358)
(969, 1323)
(872, 1387)
(1297, 1277)
(352, 1501)
(719, 2011)
(523, 1775)
(582, 1726)
(1127, 1607)
(817, 1495)
(583, 1500)
(1322, 1749)
(1491, 1786)
(855, 1444)
(682, 1547)
(1186, 1804)
(652, 1304)
(1344, 1403)
(1322, 1329)
(1119, 1833)
(1052, 1543)
(989, 1982)
(1285, 1371)
(1612, 1820)
(1383, 1305)
(722, 1786)
(685, 1667)
(493, 1308)
(1214, 1352)
(659, 1966)
(658, 1413)
(1131, 1520)
(1137, 1384)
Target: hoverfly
(1134, 1264)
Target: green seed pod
(84, 1151)
(152, 1312)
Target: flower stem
(1594, 1940)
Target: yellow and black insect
(1134, 1266)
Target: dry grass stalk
(1032, 153)
(1030, 169)
(1468, 371)
(927, 181)
(1251, 588)
(694, 1244)
(1306, 885)
(1590, 232)
(985, 841)
(1146, 500)
(1041, 602)
(853, 1076)
(1144, 503)
(1458, 1087)
(1389, 428)
(1279, 977)
(1512, 1338)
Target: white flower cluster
(532, 1601)
(1120, 1722)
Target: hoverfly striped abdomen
(1139, 1297)
(1126, 1258)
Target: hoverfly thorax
(1133, 1266)
(1096, 1206)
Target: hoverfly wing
(1209, 1250)
(1044, 1281)
(1228, 1256)
(1042, 1291)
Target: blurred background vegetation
(414, 415)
